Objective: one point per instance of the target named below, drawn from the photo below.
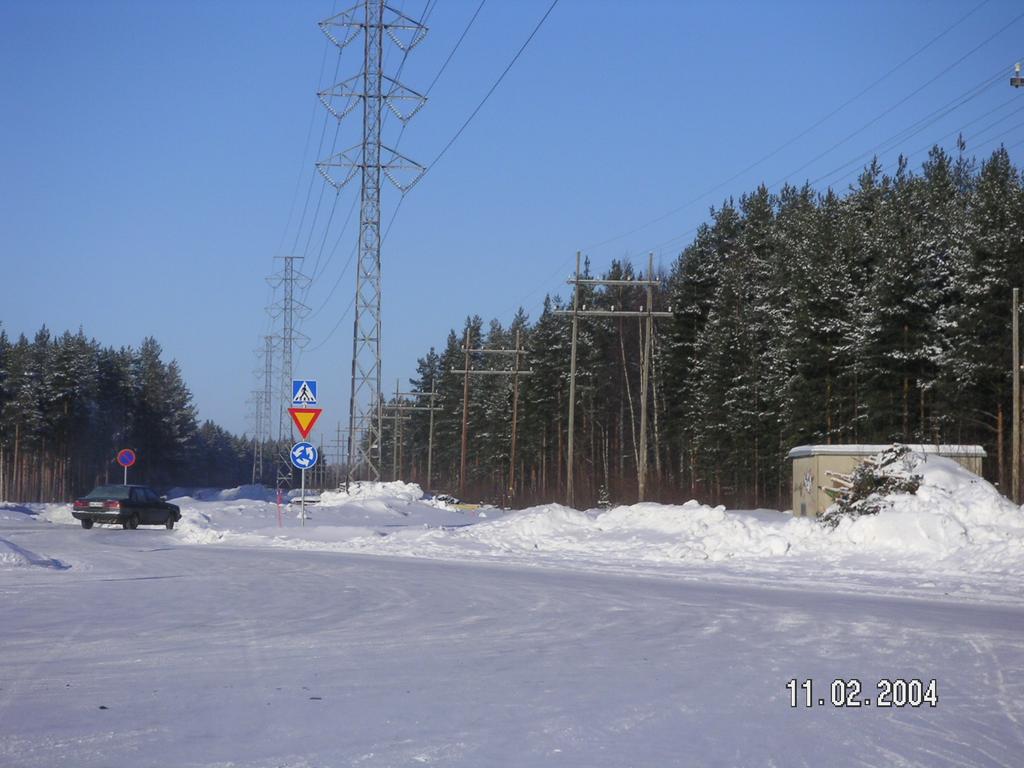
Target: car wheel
(170, 522)
(86, 523)
(131, 523)
(126, 523)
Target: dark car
(129, 505)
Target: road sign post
(126, 458)
(303, 456)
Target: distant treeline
(878, 315)
(67, 405)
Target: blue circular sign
(125, 457)
(304, 455)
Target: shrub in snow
(865, 490)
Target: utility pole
(645, 377)
(466, 372)
(288, 309)
(465, 416)
(519, 352)
(645, 361)
(1016, 448)
(338, 451)
(400, 406)
(569, 493)
(375, 22)
(396, 437)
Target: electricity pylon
(373, 20)
(289, 309)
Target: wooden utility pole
(515, 419)
(569, 492)
(645, 355)
(1016, 416)
(338, 447)
(399, 407)
(645, 375)
(465, 416)
(516, 372)
(430, 436)
(396, 437)
(396, 443)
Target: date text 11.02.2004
(850, 693)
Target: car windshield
(109, 492)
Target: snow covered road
(150, 652)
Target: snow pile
(371, 511)
(361, 491)
(955, 519)
(254, 492)
(954, 512)
(55, 513)
(645, 532)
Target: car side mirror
(163, 498)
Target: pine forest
(878, 316)
(67, 405)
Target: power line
(336, 326)
(483, 101)
(804, 133)
(319, 152)
(494, 87)
(799, 136)
(458, 42)
(916, 127)
(974, 137)
(451, 53)
(905, 99)
(912, 130)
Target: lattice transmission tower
(262, 398)
(288, 309)
(376, 23)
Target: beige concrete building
(812, 463)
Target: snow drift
(955, 520)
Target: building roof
(802, 451)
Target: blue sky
(157, 156)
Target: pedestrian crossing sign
(303, 392)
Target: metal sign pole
(302, 503)
(126, 475)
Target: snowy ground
(391, 632)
